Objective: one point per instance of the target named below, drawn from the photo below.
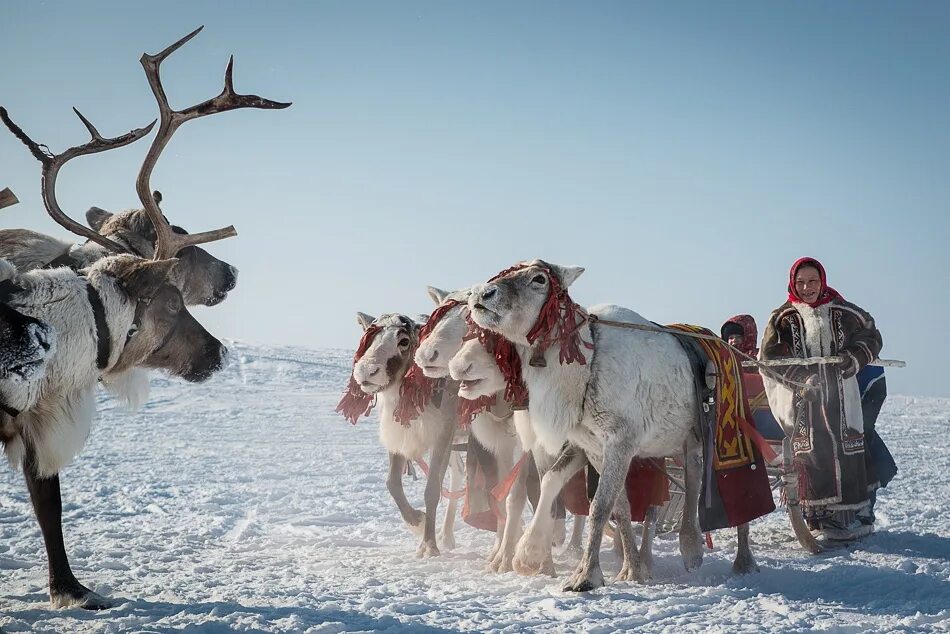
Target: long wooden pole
(778, 363)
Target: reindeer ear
(437, 294)
(365, 320)
(147, 277)
(97, 217)
(567, 274)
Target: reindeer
(600, 394)
(496, 424)
(425, 421)
(119, 314)
(202, 278)
(490, 426)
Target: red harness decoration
(559, 320)
(356, 402)
(468, 409)
(506, 358)
(416, 390)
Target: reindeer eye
(134, 329)
(404, 343)
(539, 279)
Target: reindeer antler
(7, 198)
(52, 163)
(168, 243)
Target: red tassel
(416, 390)
(469, 409)
(415, 393)
(356, 402)
(559, 320)
(506, 358)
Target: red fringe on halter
(356, 402)
(507, 360)
(559, 320)
(416, 390)
(469, 409)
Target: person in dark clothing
(820, 403)
(873, 389)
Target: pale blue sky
(685, 153)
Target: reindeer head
(388, 355)
(511, 302)
(25, 343)
(162, 335)
(441, 337)
(476, 370)
(201, 277)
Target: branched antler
(7, 198)
(52, 163)
(169, 243)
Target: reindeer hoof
(79, 596)
(502, 563)
(531, 555)
(627, 573)
(585, 580)
(418, 523)
(744, 564)
(448, 542)
(525, 568)
(427, 549)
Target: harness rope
(764, 368)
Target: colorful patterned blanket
(735, 485)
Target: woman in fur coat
(823, 419)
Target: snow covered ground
(246, 504)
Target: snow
(246, 504)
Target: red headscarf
(825, 295)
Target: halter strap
(103, 339)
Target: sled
(783, 483)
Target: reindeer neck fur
(85, 255)
(555, 393)
(57, 411)
(418, 437)
(494, 428)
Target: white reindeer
(501, 429)
(630, 393)
(492, 427)
(384, 359)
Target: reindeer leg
(617, 456)
(646, 545)
(456, 478)
(439, 462)
(691, 539)
(745, 561)
(504, 463)
(534, 548)
(514, 507)
(412, 516)
(576, 545)
(64, 590)
(631, 568)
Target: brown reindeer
(121, 313)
